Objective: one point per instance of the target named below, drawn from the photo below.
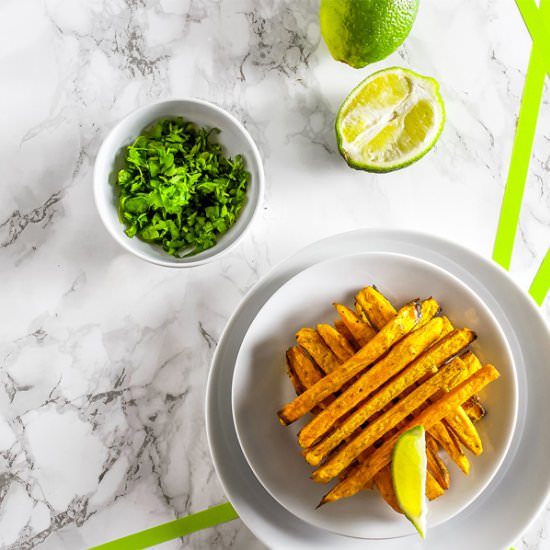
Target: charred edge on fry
(418, 309)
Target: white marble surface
(104, 358)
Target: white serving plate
(516, 494)
(261, 387)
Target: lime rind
(429, 87)
(409, 454)
(359, 32)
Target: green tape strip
(538, 29)
(173, 529)
(521, 151)
(541, 283)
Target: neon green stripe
(538, 29)
(541, 283)
(521, 155)
(173, 529)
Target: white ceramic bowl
(261, 387)
(235, 140)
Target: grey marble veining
(103, 358)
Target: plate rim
(327, 263)
(292, 264)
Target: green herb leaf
(178, 190)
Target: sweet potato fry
(312, 342)
(450, 446)
(409, 349)
(459, 427)
(376, 306)
(465, 431)
(306, 371)
(362, 332)
(407, 318)
(336, 342)
(474, 408)
(437, 468)
(361, 314)
(341, 327)
(472, 360)
(433, 489)
(448, 377)
(296, 384)
(401, 355)
(380, 311)
(384, 484)
(434, 413)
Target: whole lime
(359, 32)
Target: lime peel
(409, 467)
(358, 32)
(390, 120)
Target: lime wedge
(391, 119)
(408, 471)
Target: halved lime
(390, 120)
(408, 469)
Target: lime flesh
(408, 470)
(391, 119)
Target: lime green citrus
(359, 32)
(408, 469)
(391, 119)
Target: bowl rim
(512, 425)
(99, 183)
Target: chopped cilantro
(178, 189)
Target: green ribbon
(525, 134)
(173, 529)
(541, 283)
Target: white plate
(515, 495)
(261, 387)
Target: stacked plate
(258, 460)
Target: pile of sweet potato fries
(375, 374)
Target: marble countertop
(103, 357)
